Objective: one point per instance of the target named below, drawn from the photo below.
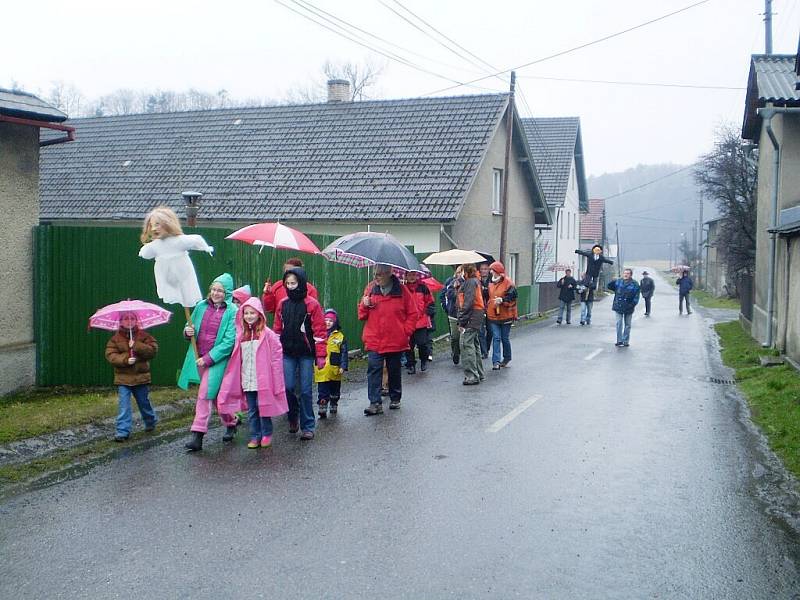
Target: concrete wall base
(17, 367)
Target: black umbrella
(364, 249)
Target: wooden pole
(504, 200)
(193, 339)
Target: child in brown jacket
(130, 350)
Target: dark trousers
(485, 338)
(681, 298)
(421, 339)
(329, 391)
(647, 301)
(375, 364)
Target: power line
(651, 182)
(329, 25)
(581, 46)
(637, 83)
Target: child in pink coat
(255, 374)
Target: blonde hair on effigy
(169, 223)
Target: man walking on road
(685, 285)
(626, 297)
(566, 295)
(648, 287)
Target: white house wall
(564, 238)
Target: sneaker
(334, 408)
(496, 367)
(558, 322)
(252, 444)
(307, 436)
(394, 404)
(482, 378)
(294, 426)
(374, 409)
(625, 344)
(468, 381)
(266, 441)
(618, 344)
(504, 364)
(569, 322)
(688, 312)
(412, 369)
(149, 428)
(582, 323)
(120, 438)
(485, 355)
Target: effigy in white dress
(176, 281)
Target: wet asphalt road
(628, 475)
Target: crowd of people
(245, 367)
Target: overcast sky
(262, 49)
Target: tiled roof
(396, 159)
(554, 142)
(27, 106)
(772, 79)
(592, 221)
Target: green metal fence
(79, 269)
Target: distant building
(772, 121)
(21, 117)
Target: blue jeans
(375, 364)
(562, 305)
(259, 426)
(624, 327)
(586, 312)
(125, 416)
(300, 368)
(500, 333)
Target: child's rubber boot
(334, 408)
(266, 441)
(323, 409)
(196, 443)
(230, 431)
(252, 444)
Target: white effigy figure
(164, 241)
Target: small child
(241, 294)
(255, 373)
(329, 378)
(130, 350)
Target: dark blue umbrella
(364, 249)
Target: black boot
(196, 442)
(230, 432)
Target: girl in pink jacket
(255, 374)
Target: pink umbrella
(147, 315)
(274, 235)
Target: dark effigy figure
(594, 264)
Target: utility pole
(700, 245)
(768, 26)
(619, 253)
(504, 199)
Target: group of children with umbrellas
(242, 365)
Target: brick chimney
(338, 90)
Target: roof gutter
(70, 137)
(766, 115)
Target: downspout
(70, 137)
(447, 235)
(787, 277)
(767, 114)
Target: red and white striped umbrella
(274, 235)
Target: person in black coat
(566, 296)
(586, 295)
(648, 288)
(594, 264)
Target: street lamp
(192, 202)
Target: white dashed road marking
(502, 422)
(593, 354)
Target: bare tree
(67, 98)
(363, 77)
(728, 177)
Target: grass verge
(773, 393)
(45, 410)
(703, 298)
(86, 454)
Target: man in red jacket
(390, 312)
(274, 293)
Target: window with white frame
(497, 190)
(513, 261)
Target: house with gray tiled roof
(772, 122)
(427, 170)
(22, 117)
(557, 151)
